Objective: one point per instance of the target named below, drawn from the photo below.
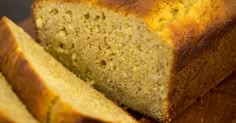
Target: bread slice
(12, 110)
(154, 56)
(51, 92)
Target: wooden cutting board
(218, 106)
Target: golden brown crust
(184, 55)
(192, 38)
(191, 34)
(204, 72)
(19, 73)
(4, 119)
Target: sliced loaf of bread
(154, 56)
(12, 110)
(51, 92)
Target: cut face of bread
(50, 91)
(12, 110)
(153, 56)
(103, 47)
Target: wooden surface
(218, 106)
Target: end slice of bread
(51, 92)
(12, 110)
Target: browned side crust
(24, 80)
(31, 89)
(204, 72)
(4, 119)
(205, 42)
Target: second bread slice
(11, 108)
(50, 91)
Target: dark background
(17, 10)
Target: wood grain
(218, 106)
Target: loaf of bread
(52, 93)
(154, 56)
(11, 108)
